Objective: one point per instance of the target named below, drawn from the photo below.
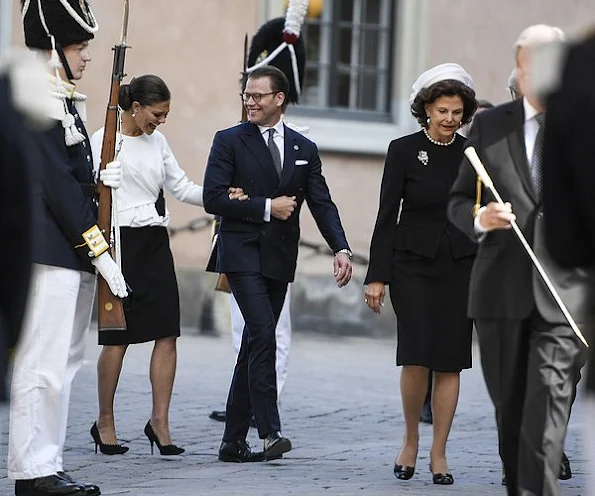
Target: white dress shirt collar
(530, 110)
(279, 127)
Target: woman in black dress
(426, 261)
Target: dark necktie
(274, 151)
(537, 158)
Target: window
(348, 64)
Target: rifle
(111, 311)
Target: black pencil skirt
(429, 297)
(153, 312)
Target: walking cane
(471, 154)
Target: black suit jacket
(239, 157)
(423, 190)
(504, 283)
(569, 169)
(17, 153)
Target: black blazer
(504, 284)
(423, 189)
(17, 152)
(569, 162)
(239, 157)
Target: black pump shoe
(403, 472)
(106, 449)
(443, 479)
(168, 449)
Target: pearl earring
(428, 121)
(133, 114)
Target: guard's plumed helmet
(69, 21)
(266, 40)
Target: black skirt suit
(425, 260)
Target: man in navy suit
(278, 169)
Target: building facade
(363, 56)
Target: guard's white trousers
(282, 337)
(49, 354)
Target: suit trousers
(282, 336)
(531, 369)
(253, 387)
(48, 356)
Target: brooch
(422, 156)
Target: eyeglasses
(256, 96)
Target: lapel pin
(295, 147)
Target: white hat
(438, 73)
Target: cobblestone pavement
(340, 408)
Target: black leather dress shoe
(426, 414)
(218, 415)
(239, 452)
(565, 472)
(51, 485)
(275, 444)
(90, 489)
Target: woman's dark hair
(448, 87)
(279, 81)
(146, 90)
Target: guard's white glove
(106, 266)
(111, 176)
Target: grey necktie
(274, 151)
(536, 159)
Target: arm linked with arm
(218, 179)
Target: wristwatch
(345, 250)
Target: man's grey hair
(538, 34)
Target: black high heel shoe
(443, 479)
(168, 449)
(106, 449)
(403, 472)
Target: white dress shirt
(530, 129)
(279, 138)
(148, 166)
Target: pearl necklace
(439, 143)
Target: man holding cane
(530, 355)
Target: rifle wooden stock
(110, 315)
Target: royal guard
(68, 248)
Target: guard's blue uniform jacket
(64, 188)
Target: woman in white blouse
(153, 314)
